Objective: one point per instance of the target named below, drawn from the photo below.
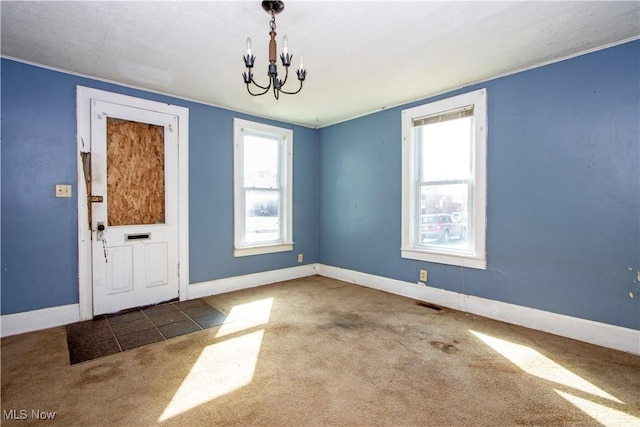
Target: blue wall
(563, 191)
(563, 231)
(39, 232)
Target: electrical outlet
(423, 275)
(300, 257)
(63, 190)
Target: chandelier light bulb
(249, 46)
(285, 45)
(301, 64)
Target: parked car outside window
(440, 228)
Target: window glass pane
(262, 220)
(445, 216)
(445, 149)
(260, 163)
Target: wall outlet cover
(63, 190)
(423, 275)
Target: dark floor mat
(111, 334)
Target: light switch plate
(63, 190)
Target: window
(444, 181)
(263, 165)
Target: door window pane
(135, 173)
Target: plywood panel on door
(135, 173)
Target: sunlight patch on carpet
(534, 363)
(246, 316)
(606, 416)
(224, 366)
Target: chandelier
(272, 8)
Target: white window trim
(286, 244)
(410, 247)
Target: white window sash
(412, 184)
(284, 189)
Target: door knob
(100, 226)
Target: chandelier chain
(272, 23)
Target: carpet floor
(316, 352)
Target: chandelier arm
(286, 75)
(266, 88)
(293, 93)
(257, 94)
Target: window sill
(262, 249)
(442, 258)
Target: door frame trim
(84, 95)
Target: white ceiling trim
(361, 56)
(421, 98)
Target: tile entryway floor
(119, 332)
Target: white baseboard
(236, 283)
(610, 336)
(602, 334)
(35, 320)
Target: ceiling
(361, 56)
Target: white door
(133, 207)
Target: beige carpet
(317, 351)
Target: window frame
(285, 177)
(410, 247)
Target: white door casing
(133, 272)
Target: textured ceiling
(361, 56)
